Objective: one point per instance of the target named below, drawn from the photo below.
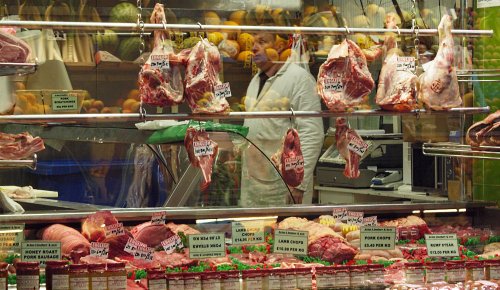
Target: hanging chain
(142, 47)
(416, 30)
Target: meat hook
(347, 30)
(142, 112)
(293, 122)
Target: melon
(107, 41)
(129, 48)
(123, 12)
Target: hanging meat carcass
(439, 84)
(485, 132)
(160, 80)
(289, 159)
(349, 145)
(202, 152)
(344, 78)
(19, 146)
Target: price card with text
(40, 251)
(355, 218)
(132, 245)
(357, 146)
(159, 61)
(405, 63)
(207, 246)
(172, 243)
(339, 214)
(333, 85)
(442, 245)
(296, 162)
(144, 253)
(64, 101)
(247, 232)
(290, 242)
(11, 237)
(99, 249)
(377, 238)
(370, 221)
(203, 148)
(159, 218)
(487, 3)
(222, 90)
(115, 230)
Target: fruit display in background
(244, 56)
(211, 18)
(106, 41)
(238, 17)
(245, 40)
(230, 35)
(124, 12)
(129, 48)
(190, 42)
(215, 37)
(229, 48)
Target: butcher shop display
(202, 152)
(13, 49)
(289, 159)
(350, 146)
(160, 80)
(19, 146)
(344, 78)
(439, 84)
(485, 132)
(202, 80)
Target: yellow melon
(215, 37)
(244, 55)
(285, 54)
(238, 17)
(272, 54)
(211, 18)
(245, 40)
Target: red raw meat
(204, 161)
(292, 154)
(117, 245)
(344, 135)
(93, 227)
(485, 132)
(161, 86)
(151, 235)
(331, 249)
(71, 240)
(202, 75)
(439, 84)
(19, 146)
(95, 260)
(217, 261)
(174, 260)
(182, 228)
(347, 63)
(408, 228)
(13, 49)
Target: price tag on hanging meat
(144, 253)
(370, 221)
(114, 230)
(99, 250)
(334, 85)
(203, 148)
(406, 63)
(339, 214)
(172, 243)
(296, 162)
(159, 61)
(355, 218)
(222, 90)
(159, 218)
(132, 245)
(357, 146)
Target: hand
(297, 194)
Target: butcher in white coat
(278, 86)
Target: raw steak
(439, 83)
(117, 245)
(173, 260)
(409, 228)
(182, 228)
(13, 49)
(93, 227)
(344, 78)
(344, 135)
(485, 132)
(202, 152)
(19, 146)
(202, 75)
(160, 80)
(397, 89)
(71, 240)
(151, 235)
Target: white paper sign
(114, 230)
(172, 243)
(487, 3)
(339, 214)
(355, 218)
(132, 246)
(144, 253)
(99, 249)
(222, 90)
(405, 63)
(377, 238)
(203, 148)
(334, 85)
(159, 62)
(357, 146)
(442, 245)
(159, 218)
(370, 221)
(64, 101)
(296, 162)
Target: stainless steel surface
(46, 204)
(177, 213)
(7, 69)
(229, 28)
(29, 163)
(446, 149)
(188, 182)
(102, 118)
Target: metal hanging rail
(137, 117)
(445, 149)
(62, 25)
(19, 163)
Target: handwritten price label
(222, 90)
(160, 62)
(370, 221)
(357, 146)
(339, 214)
(132, 246)
(406, 63)
(99, 249)
(114, 230)
(144, 253)
(203, 148)
(296, 162)
(334, 85)
(172, 243)
(159, 218)
(355, 218)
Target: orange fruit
(231, 35)
(211, 18)
(272, 54)
(245, 40)
(134, 94)
(238, 17)
(285, 54)
(98, 104)
(124, 111)
(128, 103)
(106, 110)
(244, 55)
(135, 107)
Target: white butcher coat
(291, 85)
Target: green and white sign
(207, 246)
(64, 102)
(11, 237)
(442, 245)
(40, 251)
(377, 238)
(247, 232)
(290, 242)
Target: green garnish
(42, 278)
(184, 239)
(140, 274)
(225, 267)
(10, 258)
(309, 259)
(12, 279)
(472, 241)
(361, 262)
